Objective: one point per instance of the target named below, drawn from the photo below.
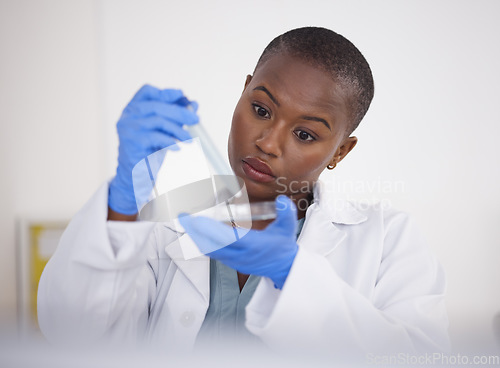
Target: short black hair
(337, 56)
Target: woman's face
(288, 125)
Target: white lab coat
(363, 280)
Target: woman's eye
(304, 136)
(261, 112)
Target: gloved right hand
(152, 120)
(269, 252)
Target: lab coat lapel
(196, 269)
(322, 231)
(319, 234)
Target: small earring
(331, 167)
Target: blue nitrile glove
(269, 252)
(152, 120)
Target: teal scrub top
(225, 317)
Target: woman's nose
(271, 140)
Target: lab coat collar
(321, 232)
(340, 211)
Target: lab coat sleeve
(98, 284)
(318, 311)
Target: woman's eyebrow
(264, 89)
(314, 118)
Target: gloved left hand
(269, 252)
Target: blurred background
(428, 145)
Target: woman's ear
(247, 81)
(343, 150)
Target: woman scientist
(326, 276)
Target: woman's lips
(257, 170)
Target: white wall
(430, 134)
(51, 134)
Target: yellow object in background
(38, 240)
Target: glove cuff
(121, 201)
(280, 277)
